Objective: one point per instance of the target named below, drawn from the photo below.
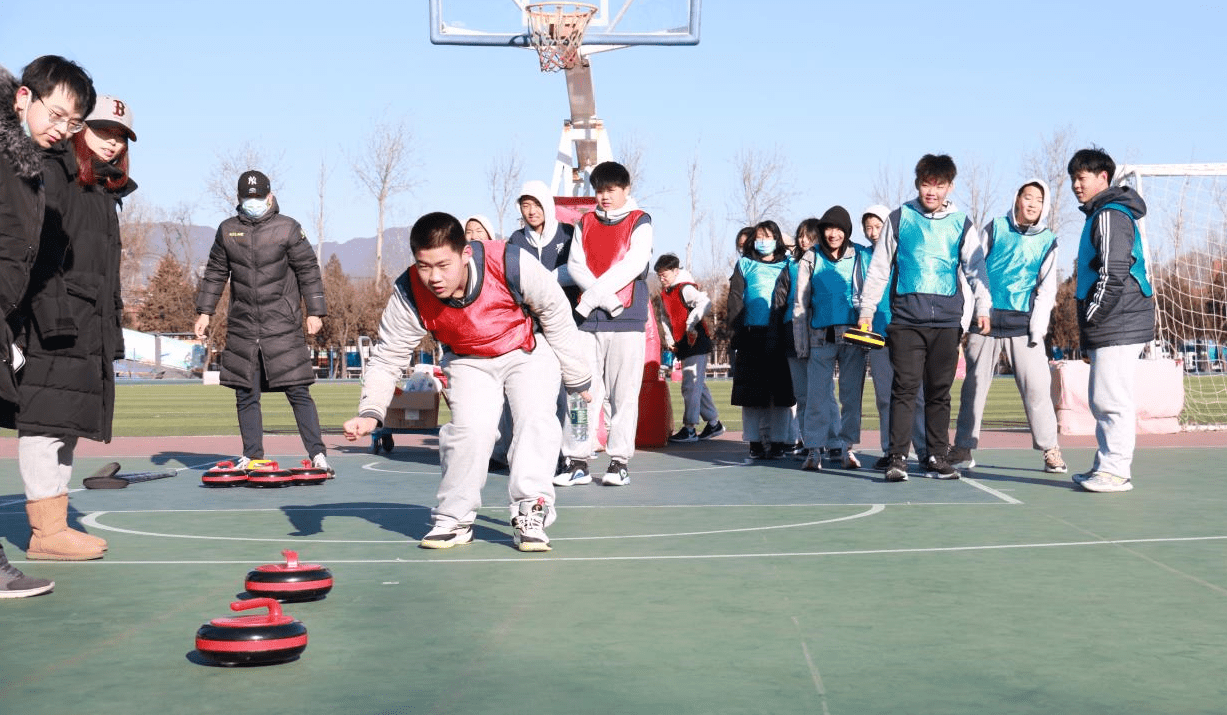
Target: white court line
(984, 487)
(92, 520)
(374, 467)
(526, 559)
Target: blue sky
(844, 91)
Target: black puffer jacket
(271, 269)
(21, 221)
(67, 386)
(1115, 310)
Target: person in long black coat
(757, 306)
(271, 268)
(67, 386)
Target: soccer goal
(1185, 236)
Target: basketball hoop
(556, 31)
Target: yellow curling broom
(864, 337)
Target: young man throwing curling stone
(490, 308)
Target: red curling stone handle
(274, 608)
(291, 558)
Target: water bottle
(577, 408)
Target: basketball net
(556, 31)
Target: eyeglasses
(57, 118)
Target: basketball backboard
(616, 23)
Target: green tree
(168, 304)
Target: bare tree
(222, 186)
(631, 153)
(698, 214)
(320, 223)
(504, 177)
(1049, 163)
(764, 188)
(177, 235)
(136, 228)
(384, 169)
(891, 189)
(978, 190)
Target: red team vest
(677, 311)
(493, 324)
(614, 243)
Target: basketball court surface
(709, 585)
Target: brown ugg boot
(50, 537)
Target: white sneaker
(445, 537)
(319, 461)
(529, 525)
(243, 463)
(850, 460)
(1104, 482)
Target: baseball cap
(112, 111)
(253, 184)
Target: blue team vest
(760, 286)
(1087, 276)
(1013, 265)
(927, 255)
(833, 288)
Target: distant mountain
(357, 255)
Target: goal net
(1185, 235)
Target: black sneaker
(836, 456)
(960, 457)
(882, 463)
(938, 468)
(757, 451)
(712, 430)
(777, 450)
(685, 434)
(799, 451)
(896, 470)
(616, 475)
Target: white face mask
(764, 246)
(254, 208)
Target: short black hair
(1093, 160)
(48, 72)
(935, 166)
(609, 174)
(667, 262)
(437, 229)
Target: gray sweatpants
(530, 382)
(1110, 391)
(696, 398)
(834, 428)
(775, 419)
(1031, 374)
(45, 463)
(883, 374)
(798, 370)
(616, 360)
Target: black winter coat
(75, 309)
(21, 221)
(271, 269)
(761, 377)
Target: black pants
(928, 356)
(251, 420)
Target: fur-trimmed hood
(22, 154)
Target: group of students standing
(63, 176)
(929, 277)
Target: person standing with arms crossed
(271, 268)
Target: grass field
(173, 408)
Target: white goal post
(1184, 234)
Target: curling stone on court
(307, 474)
(291, 581)
(262, 639)
(224, 474)
(267, 473)
(864, 337)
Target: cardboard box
(413, 410)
